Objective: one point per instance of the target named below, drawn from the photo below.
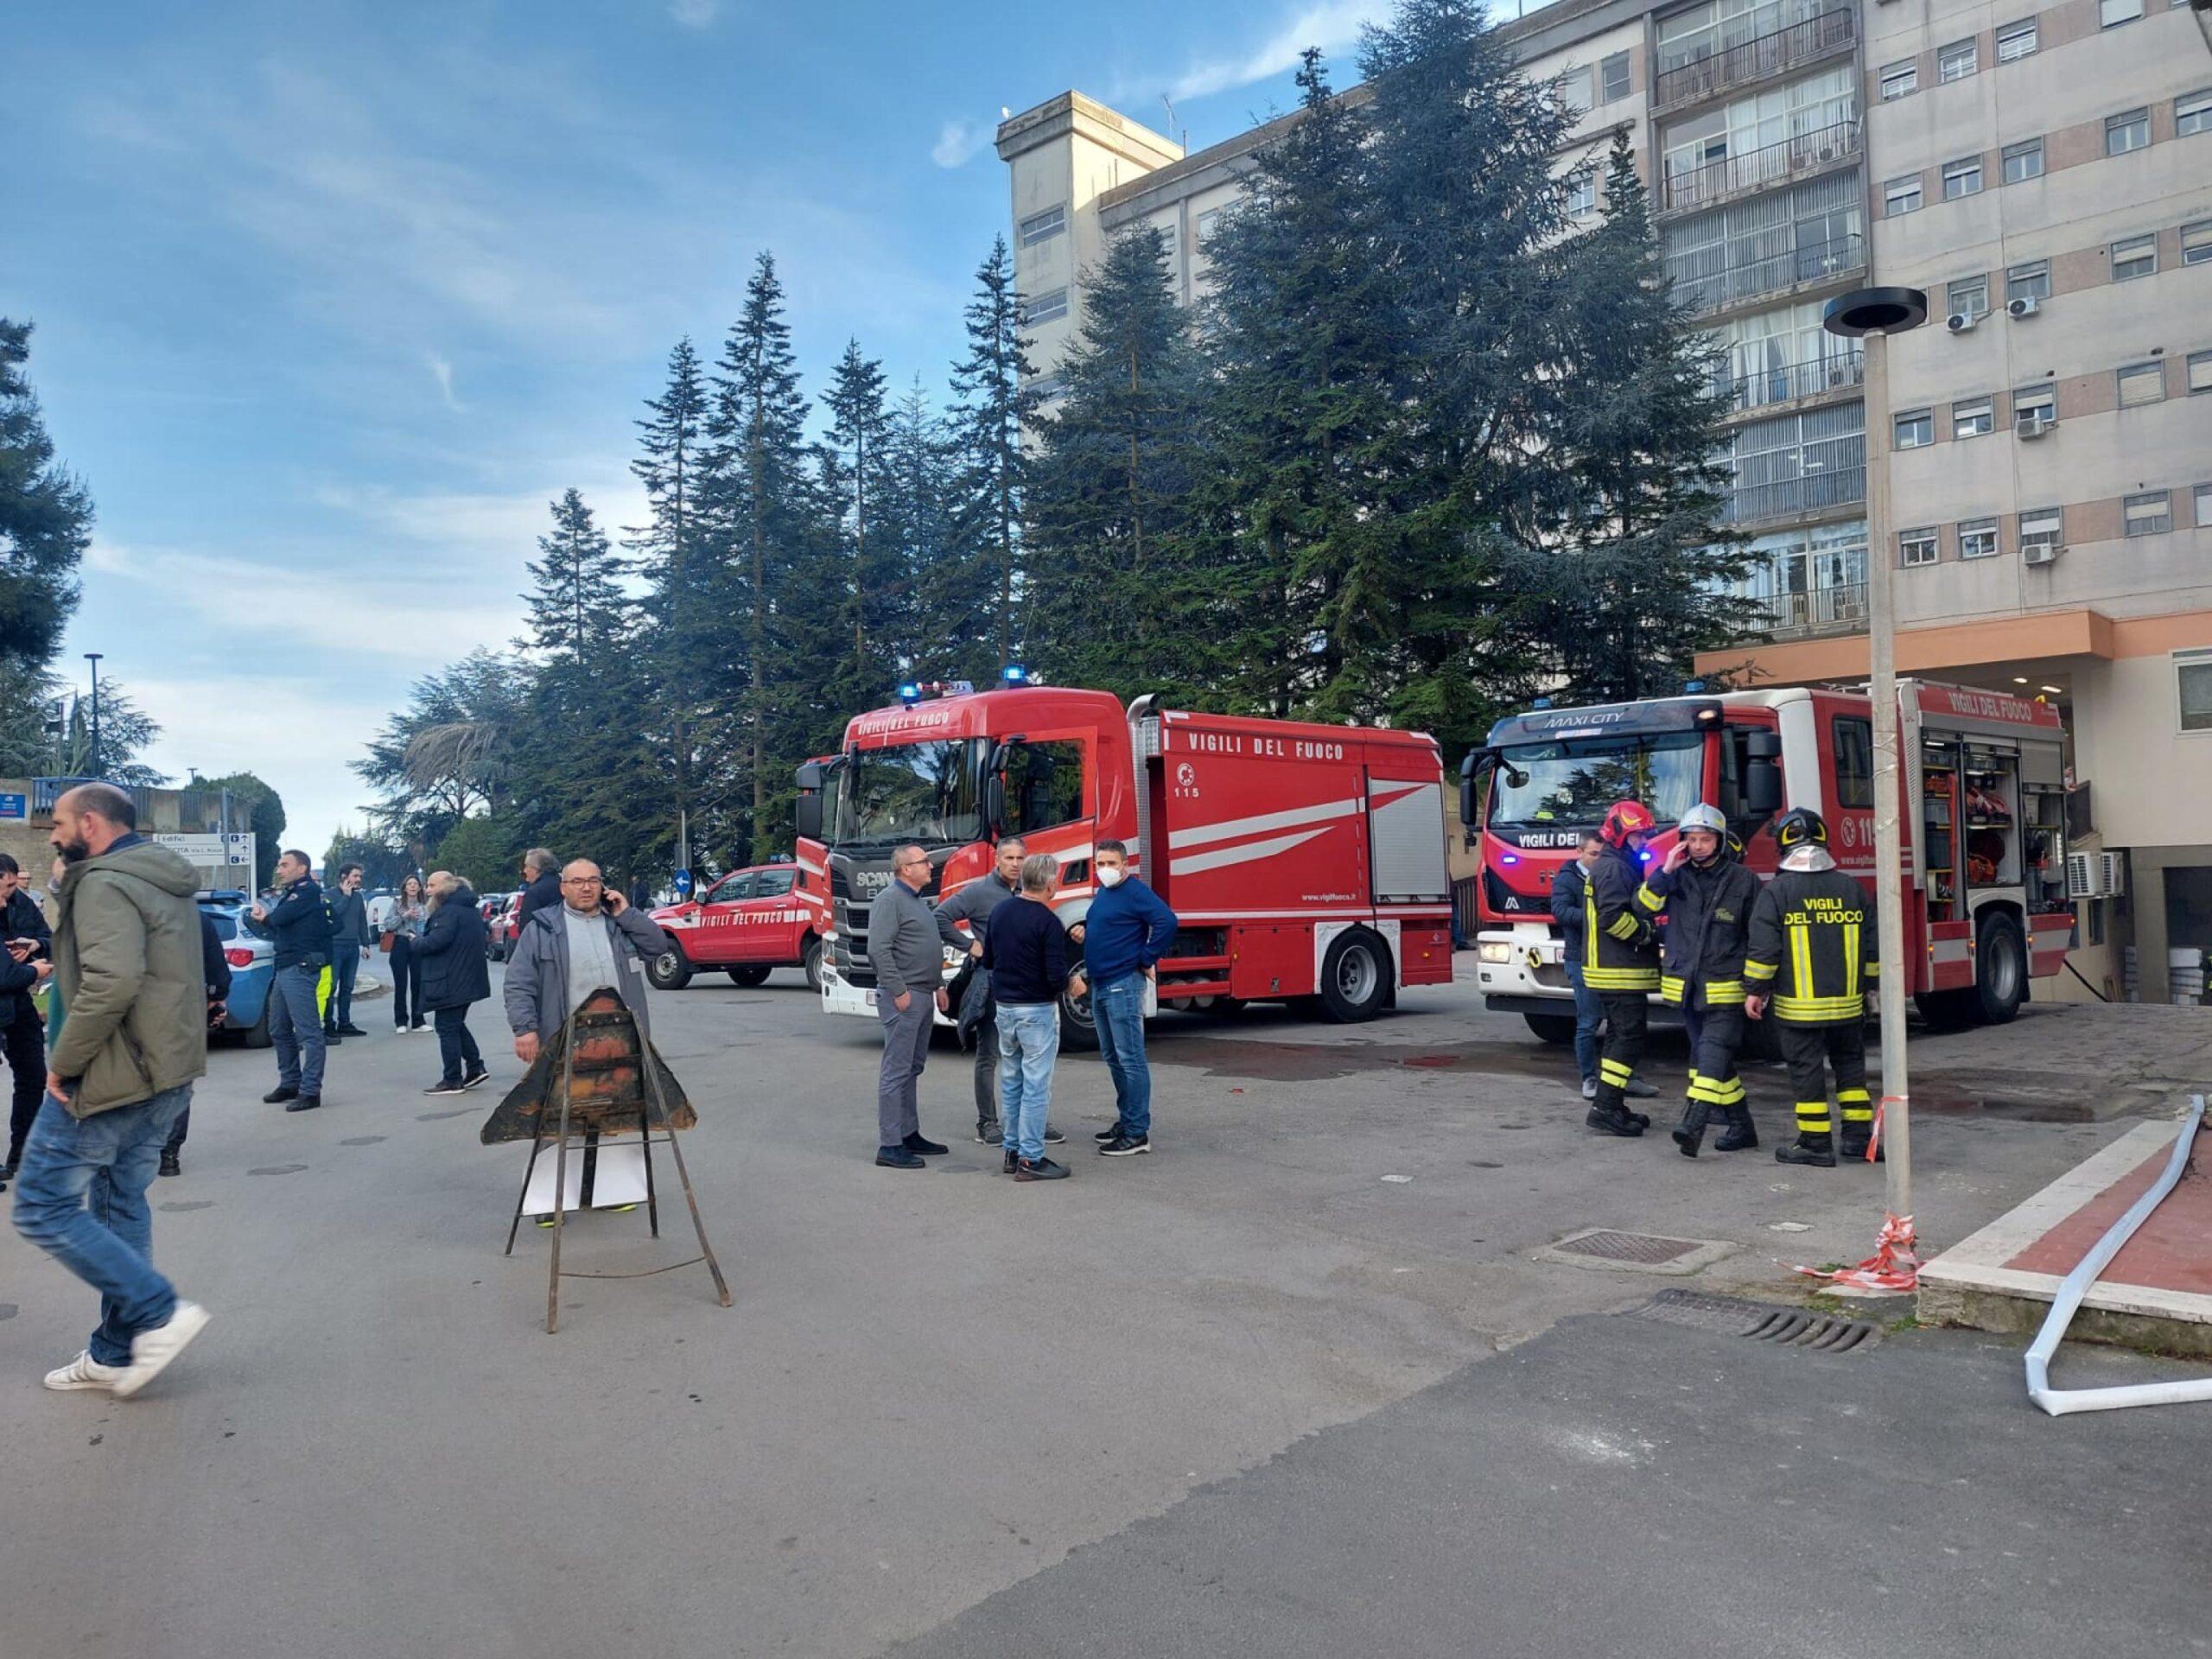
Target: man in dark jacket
(1026, 952)
(299, 929)
(216, 969)
(1705, 895)
(27, 939)
(1568, 903)
(349, 948)
(1620, 961)
(541, 890)
(973, 904)
(454, 950)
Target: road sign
(196, 849)
(15, 807)
(683, 884)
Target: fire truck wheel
(670, 970)
(1078, 1032)
(810, 960)
(2000, 974)
(1355, 976)
(754, 975)
(1557, 1029)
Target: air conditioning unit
(2026, 306)
(2081, 875)
(2041, 552)
(1960, 321)
(2034, 426)
(2111, 873)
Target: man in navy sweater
(1128, 930)
(1026, 953)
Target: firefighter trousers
(1626, 1014)
(1843, 1046)
(1715, 1035)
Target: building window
(2029, 281)
(2022, 161)
(1582, 195)
(2204, 506)
(1207, 220)
(2134, 255)
(1045, 308)
(2200, 372)
(1612, 75)
(1916, 547)
(1956, 61)
(2194, 670)
(2197, 243)
(2035, 403)
(1573, 90)
(2147, 514)
(1042, 227)
(1900, 79)
(1915, 428)
(2129, 130)
(2193, 112)
(1977, 539)
(2110, 12)
(1973, 417)
(1968, 296)
(2142, 383)
(1901, 196)
(2042, 527)
(2015, 41)
(1963, 178)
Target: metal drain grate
(1603, 1247)
(1789, 1327)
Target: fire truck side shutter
(1406, 830)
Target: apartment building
(2045, 174)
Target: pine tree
(1108, 500)
(992, 402)
(576, 608)
(46, 523)
(857, 438)
(917, 519)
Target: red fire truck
(1302, 860)
(1984, 815)
(748, 924)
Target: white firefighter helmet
(1704, 815)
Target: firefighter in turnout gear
(1811, 960)
(1706, 896)
(1620, 961)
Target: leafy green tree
(484, 850)
(257, 808)
(972, 627)
(46, 518)
(451, 752)
(126, 731)
(382, 865)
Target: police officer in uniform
(1620, 961)
(1706, 896)
(1812, 959)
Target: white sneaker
(85, 1372)
(152, 1350)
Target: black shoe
(1690, 1135)
(1640, 1120)
(283, 1091)
(170, 1164)
(331, 1038)
(351, 1031)
(987, 1132)
(1053, 1137)
(1614, 1123)
(1811, 1149)
(1104, 1135)
(1043, 1170)
(1012, 1159)
(896, 1157)
(305, 1103)
(475, 1077)
(917, 1142)
(1854, 1149)
(1127, 1147)
(1742, 1135)
(442, 1087)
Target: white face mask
(1109, 875)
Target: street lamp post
(1874, 314)
(93, 657)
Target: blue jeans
(1589, 1015)
(296, 1028)
(80, 1196)
(1117, 1009)
(345, 968)
(1029, 1039)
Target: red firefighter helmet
(1623, 818)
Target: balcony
(1804, 41)
(1786, 384)
(1839, 609)
(1720, 287)
(1701, 186)
(1793, 498)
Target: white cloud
(956, 143)
(441, 372)
(694, 13)
(1332, 25)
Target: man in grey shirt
(909, 961)
(973, 904)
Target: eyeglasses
(583, 882)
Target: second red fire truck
(1303, 862)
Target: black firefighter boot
(1857, 1137)
(1742, 1134)
(1814, 1149)
(1610, 1117)
(1691, 1135)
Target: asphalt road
(932, 1388)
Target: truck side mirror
(994, 787)
(1761, 788)
(806, 813)
(1472, 770)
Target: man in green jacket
(127, 962)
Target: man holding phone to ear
(591, 940)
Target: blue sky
(330, 300)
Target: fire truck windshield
(916, 791)
(1569, 783)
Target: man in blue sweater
(1128, 930)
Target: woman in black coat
(453, 956)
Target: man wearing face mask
(1706, 896)
(1128, 930)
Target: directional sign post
(683, 884)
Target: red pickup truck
(747, 924)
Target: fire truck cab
(1983, 820)
(1303, 862)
